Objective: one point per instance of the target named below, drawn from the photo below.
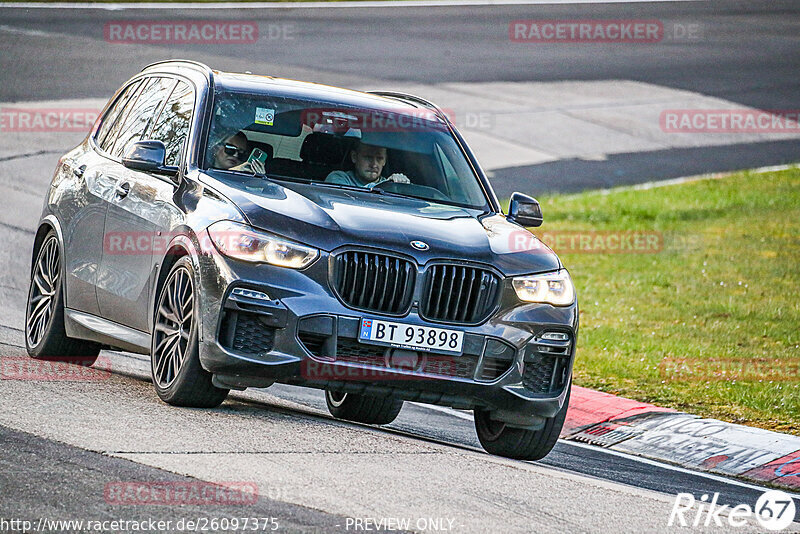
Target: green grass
(724, 291)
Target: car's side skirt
(86, 326)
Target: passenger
(368, 162)
(230, 154)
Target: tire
(363, 408)
(175, 368)
(45, 334)
(517, 443)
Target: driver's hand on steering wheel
(398, 178)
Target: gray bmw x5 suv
(244, 230)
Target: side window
(142, 113)
(172, 126)
(113, 115)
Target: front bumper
(302, 334)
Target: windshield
(408, 152)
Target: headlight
(244, 243)
(550, 288)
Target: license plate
(412, 337)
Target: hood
(328, 218)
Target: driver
(368, 162)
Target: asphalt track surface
(61, 442)
(743, 53)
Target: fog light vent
(249, 293)
(555, 336)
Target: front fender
(181, 244)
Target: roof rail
(411, 98)
(205, 68)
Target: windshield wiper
(262, 175)
(341, 186)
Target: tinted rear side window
(113, 115)
(142, 113)
(172, 125)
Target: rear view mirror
(524, 210)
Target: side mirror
(524, 210)
(148, 156)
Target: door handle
(122, 190)
(79, 171)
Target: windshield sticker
(265, 116)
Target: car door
(123, 291)
(143, 213)
(83, 217)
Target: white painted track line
(445, 409)
(672, 467)
(655, 463)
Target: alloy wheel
(42, 298)
(173, 328)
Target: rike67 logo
(774, 510)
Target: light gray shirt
(349, 178)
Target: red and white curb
(687, 440)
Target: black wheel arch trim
(188, 243)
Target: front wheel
(498, 438)
(363, 408)
(178, 377)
